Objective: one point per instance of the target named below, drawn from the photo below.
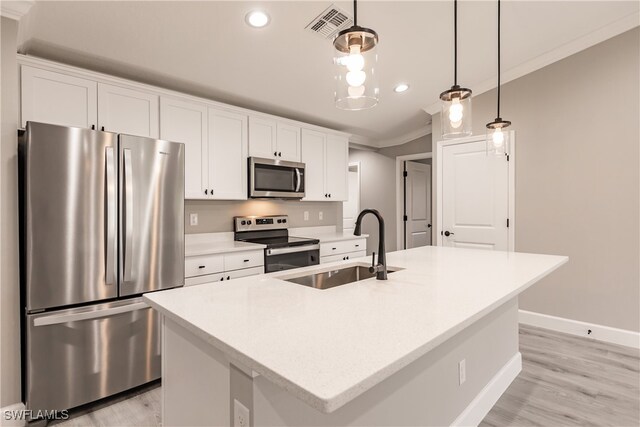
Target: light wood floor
(565, 381)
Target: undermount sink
(333, 278)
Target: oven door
(279, 179)
(293, 257)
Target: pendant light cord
(455, 42)
(498, 58)
(355, 12)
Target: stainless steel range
(283, 252)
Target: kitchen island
(436, 344)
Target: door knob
(447, 233)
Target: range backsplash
(217, 215)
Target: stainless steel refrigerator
(102, 222)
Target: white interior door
(351, 206)
(418, 231)
(475, 197)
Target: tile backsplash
(217, 215)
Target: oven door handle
(294, 249)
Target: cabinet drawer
(335, 248)
(201, 265)
(236, 261)
(342, 257)
(204, 279)
(244, 273)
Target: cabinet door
(262, 138)
(127, 111)
(58, 99)
(313, 146)
(186, 122)
(337, 165)
(227, 154)
(288, 139)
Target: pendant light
(355, 60)
(455, 115)
(497, 138)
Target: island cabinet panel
(262, 138)
(313, 156)
(227, 155)
(129, 111)
(59, 99)
(337, 164)
(186, 122)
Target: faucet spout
(381, 267)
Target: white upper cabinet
(262, 138)
(337, 164)
(227, 155)
(127, 111)
(326, 160)
(271, 139)
(186, 122)
(288, 142)
(313, 146)
(55, 98)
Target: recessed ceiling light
(402, 87)
(257, 18)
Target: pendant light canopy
(497, 138)
(455, 115)
(355, 61)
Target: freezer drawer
(80, 355)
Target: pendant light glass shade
(497, 134)
(355, 62)
(455, 112)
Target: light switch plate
(462, 371)
(320, 215)
(193, 219)
(240, 414)
(306, 215)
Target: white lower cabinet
(342, 250)
(221, 267)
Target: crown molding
(359, 140)
(591, 39)
(15, 9)
(407, 137)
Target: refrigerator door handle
(110, 204)
(128, 215)
(55, 319)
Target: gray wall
(217, 216)
(9, 286)
(419, 145)
(577, 179)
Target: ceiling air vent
(330, 22)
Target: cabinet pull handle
(222, 280)
(246, 260)
(275, 153)
(93, 127)
(228, 277)
(205, 191)
(357, 246)
(102, 129)
(201, 266)
(333, 249)
(211, 191)
(280, 154)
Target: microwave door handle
(128, 215)
(110, 201)
(298, 180)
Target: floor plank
(565, 381)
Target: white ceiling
(206, 48)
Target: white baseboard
(576, 327)
(13, 410)
(489, 395)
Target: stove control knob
(284, 220)
(279, 221)
(249, 222)
(243, 222)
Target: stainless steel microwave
(276, 179)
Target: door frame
(359, 172)
(399, 194)
(437, 186)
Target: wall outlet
(193, 219)
(240, 414)
(320, 215)
(306, 215)
(462, 371)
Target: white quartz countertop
(219, 247)
(332, 236)
(329, 346)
